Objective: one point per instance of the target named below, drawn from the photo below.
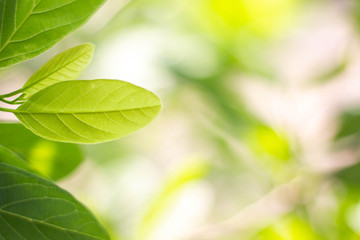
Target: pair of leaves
(52, 159)
(31, 207)
(30, 27)
(75, 111)
(63, 67)
(83, 111)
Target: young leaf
(88, 111)
(34, 208)
(53, 159)
(28, 28)
(65, 66)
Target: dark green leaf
(10, 158)
(30, 27)
(52, 159)
(350, 175)
(34, 208)
(349, 125)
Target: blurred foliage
(265, 140)
(11, 158)
(217, 44)
(53, 159)
(167, 194)
(350, 176)
(106, 153)
(289, 228)
(260, 17)
(349, 126)
(334, 72)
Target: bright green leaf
(65, 66)
(88, 111)
(30, 27)
(264, 140)
(34, 208)
(52, 159)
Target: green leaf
(65, 66)
(349, 124)
(88, 111)
(30, 27)
(53, 159)
(34, 208)
(350, 175)
(10, 158)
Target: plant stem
(8, 110)
(9, 102)
(12, 93)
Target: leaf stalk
(8, 110)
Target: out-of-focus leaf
(34, 208)
(328, 76)
(350, 175)
(347, 201)
(65, 66)
(29, 28)
(349, 125)
(226, 103)
(265, 140)
(289, 228)
(172, 186)
(90, 111)
(356, 13)
(104, 153)
(226, 18)
(52, 159)
(10, 158)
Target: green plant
(56, 107)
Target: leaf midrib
(21, 24)
(26, 87)
(86, 112)
(48, 224)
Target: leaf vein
(20, 25)
(12, 227)
(47, 30)
(53, 9)
(80, 135)
(47, 127)
(50, 225)
(40, 231)
(34, 198)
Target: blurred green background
(260, 132)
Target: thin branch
(13, 102)
(8, 110)
(12, 93)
